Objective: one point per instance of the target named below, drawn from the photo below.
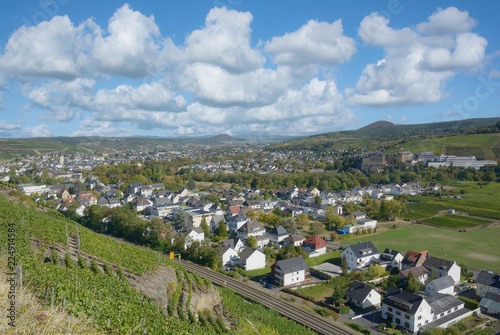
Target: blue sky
(241, 67)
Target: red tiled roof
(315, 242)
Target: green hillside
(109, 282)
(479, 145)
(416, 138)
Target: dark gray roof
(438, 263)
(442, 282)
(292, 265)
(279, 230)
(358, 291)
(488, 278)
(363, 249)
(247, 253)
(396, 297)
(230, 242)
(441, 303)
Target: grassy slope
(479, 200)
(479, 249)
(478, 144)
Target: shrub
(393, 325)
(202, 320)
(94, 267)
(54, 257)
(170, 310)
(107, 270)
(67, 261)
(383, 325)
(344, 310)
(120, 274)
(470, 303)
(355, 326)
(180, 313)
(81, 262)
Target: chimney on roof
(400, 290)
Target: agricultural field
(6, 156)
(456, 221)
(479, 249)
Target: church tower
(61, 158)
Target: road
(285, 308)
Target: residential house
(197, 217)
(362, 224)
(214, 222)
(314, 246)
(229, 256)
(433, 187)
(443, 268)
(64, 193)
(358, 215)
(146, 190)
(421, 273)
(422, 311)
(363, 296)
(390, 259)
(236, 222)
(251, 228)
(278, 234)
(445, 285)
(360, 255)
(413, 258)
(193, 235)
(134, 188)
(487, 281)
(142, 203)
(294, 240)
(233, 242)
(252, 259)
(290, 271)
(233, 211)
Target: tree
(376, 271)
(252, 241)
(317, 200)
(182, 220)
(302, 220)
(338, 292)
(221, 230)
(204, 226)
(277, 212)
(332, 219)
(191, 184)
(290, 224)
(345, 268)
(412, 284)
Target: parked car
(269, 285)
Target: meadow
(479, 249)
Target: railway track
(289, 310)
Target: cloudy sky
(243, 67)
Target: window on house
(407, 316)
(389, 309)
(407, 325)
(420, 317)
(398, 313)
(441, 315)
(426, 321)
(398, 321)
(456, 308)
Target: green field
(456, 221)
(479, 249)
(478, 200)
(480, 145)
(6, 156)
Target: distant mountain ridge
(378, 124)
(225, 138)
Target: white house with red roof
(314, 246)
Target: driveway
(328, 268)
(371, 321)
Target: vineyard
(100, 291)
(456, 221)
